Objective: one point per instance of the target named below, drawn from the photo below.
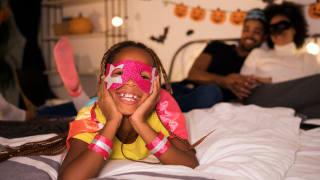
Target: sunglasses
(279, 27)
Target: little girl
(127, 121)
(129, 90)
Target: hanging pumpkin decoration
(237, 17)
(197, 14)
(314, 10)
(80, 25)
(180, 10)
(218, 16)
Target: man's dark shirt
(225, 60)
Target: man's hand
(238, 84)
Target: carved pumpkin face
(237, 17)
(180, 10)
(314, 10)
(197, 14)
(218, 16)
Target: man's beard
(248, 48)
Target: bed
(248, 142)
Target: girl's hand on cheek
(146, 108)
(107, 105)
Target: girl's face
(130, 96)
(282, 32)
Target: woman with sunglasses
(293, 75)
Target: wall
(149, 18)
(88, 48)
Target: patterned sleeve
(78, 127)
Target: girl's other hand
(146, 108)
(107, 105)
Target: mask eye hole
(117, 72)
(145, 75)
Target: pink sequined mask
(130, 70)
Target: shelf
(55, 72)
(53, 13)
(67, 2)
(76, 36)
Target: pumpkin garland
(237, 17)
(314, 10)
(180, 10)
(197, 14)
(219, 16)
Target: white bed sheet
(307, 162)
(249, 142)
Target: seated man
(214, 76)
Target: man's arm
(198, 72)
(240, 85)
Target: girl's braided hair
(57, 144)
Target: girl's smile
(128, 98)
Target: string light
(117, 21)
(313, 48)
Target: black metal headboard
(191, 43)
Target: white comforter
(248, 142)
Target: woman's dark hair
(57, 144)
(294, 13)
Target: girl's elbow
(194, 164)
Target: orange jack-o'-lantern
(180, 10)
(197, 14)
(237, 17)
(314, 10)
(218, 16)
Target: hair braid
(161, 70)
(51, 147)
